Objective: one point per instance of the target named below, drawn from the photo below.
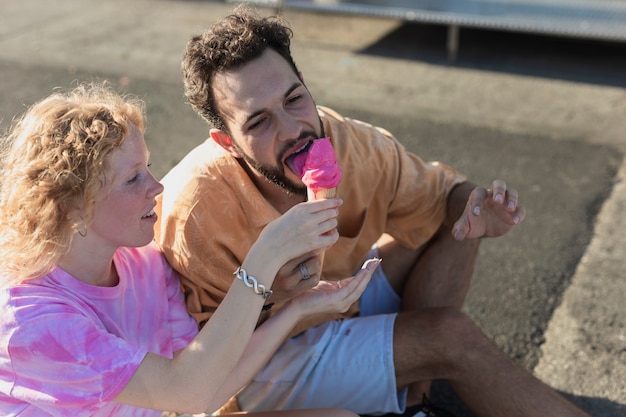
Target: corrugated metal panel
(594, 19)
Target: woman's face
(124, 209)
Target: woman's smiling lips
(151, 215)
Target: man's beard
(276, 174)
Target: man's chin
(291, 188)
(278, 177)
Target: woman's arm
(325, 297)
(192, 381)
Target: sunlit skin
(270, 115)
(227, 348)
(123, 212)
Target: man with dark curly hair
(425, 221)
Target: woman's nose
(156, 187)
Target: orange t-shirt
(211, 213)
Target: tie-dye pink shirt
(68, 348)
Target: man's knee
(438, 340)
(448, 326)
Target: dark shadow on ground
(571, 59)
(445, 399)
(443, 396)
(563, 184)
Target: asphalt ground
(548, 115)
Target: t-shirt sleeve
(392, 190)
(205, 235)
(419, 204)
(62, 357)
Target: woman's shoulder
(36, 305)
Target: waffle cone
(321, 194)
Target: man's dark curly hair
(232, 42)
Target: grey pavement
(546, 115)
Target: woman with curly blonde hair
(54, 164)
(94, 322)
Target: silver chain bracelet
(252, 282)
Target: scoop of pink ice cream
(320, 169)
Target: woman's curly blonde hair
(53, 163)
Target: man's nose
(288, 126)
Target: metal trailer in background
(589, 19)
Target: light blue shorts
(343, 363)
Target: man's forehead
(254, 86)
(261, 75)
(232, 99)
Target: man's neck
(277, 196)
(285, 201)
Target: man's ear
(222, 139)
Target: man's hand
(335, 296)
(489, 212)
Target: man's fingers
(511, 204)
(498, 188)
(461, 228)
(519, 215)
(476, 200)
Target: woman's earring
(81, 229)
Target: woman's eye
(133, 179)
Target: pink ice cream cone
(320, 172)
(321, 193)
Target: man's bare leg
(437, 275)
(443, 343)
(442, 275)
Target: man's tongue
(297, 162)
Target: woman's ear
(222, 139)
(75, 217)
